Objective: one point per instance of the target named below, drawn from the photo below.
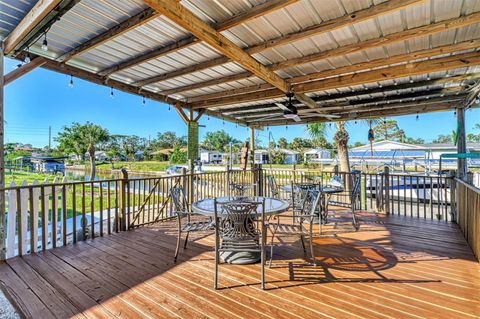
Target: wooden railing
(44, 216)
(468, 213)
(413, 194)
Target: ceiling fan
(290, 111)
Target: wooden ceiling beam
(176, 12)
(352, 105)
(392, 110)
(377, 63)
(390, 73)
(140, 18)
(187, 20)
(24, 69)
(235, 20)
(323, 27)
(388, 89)
(429, 29)
(42, 15)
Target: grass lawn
(152, 166)
(18, 177)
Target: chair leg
(312, 252)
(262, 260)
(179, 238)
(302, 239)
(186, 240)
(217, 261)
(271, 251)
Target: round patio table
(272, 206)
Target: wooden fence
(41, 216)
(413, 194)
(468, 214)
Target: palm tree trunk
(341, 141)
(91, 153)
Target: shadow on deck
(396, 267)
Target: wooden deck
(394, 267)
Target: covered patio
(256, 64)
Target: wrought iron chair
(240, 190)
(238, 230)
(353, 196)
(182, 211)
(302, 223)
(274, 190)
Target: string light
(169, 108)
(70, 84)
(417, 117)
(454, 113)
(286, 126)
(208, 117)
(45, 43)
(111, 92)
(143, 100)
(27, 58)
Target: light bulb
(111, 92)
(143, 100)
(45, 44)
(70, 84)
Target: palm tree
(92, 135)
(341, 141)
(317, 133)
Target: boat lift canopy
(457, 156)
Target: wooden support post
(123, 201)
(386, 187)
(461, 143)
(2, 166)
(252, 147)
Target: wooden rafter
(360, 94)
(24, 69)
(33, 18)
(187, 20)
(140, 18)
(353, 105)
(390, 73)
(363, 66)
(374, 112)
(323, 27)
(254, 12)
(182, 114)
(429, 29)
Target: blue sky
(42, 98)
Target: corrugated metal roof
(91, 18)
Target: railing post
(191, 185)
(258, 179)
(123, 201)
(452, 183)
(294, 173)
(386, 201)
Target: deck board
(394, 267)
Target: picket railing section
(41, 216)
(468, 214)
(415, 194)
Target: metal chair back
(272, 187)
(238, 220)
(180, 203)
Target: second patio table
(272, 206)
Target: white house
(315, 155)
(211, 157)
(261, 156)
(291, 157)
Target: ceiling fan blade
(282, 106)
(328, 116)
